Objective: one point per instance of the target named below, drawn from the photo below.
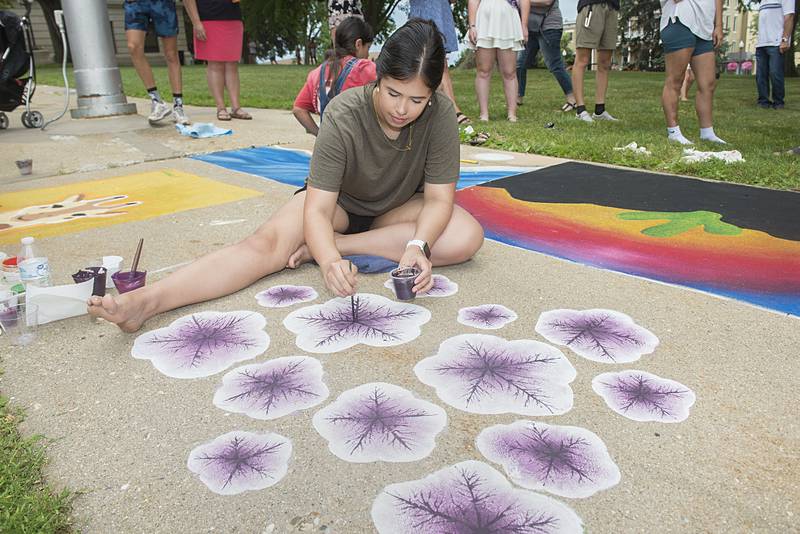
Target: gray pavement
(121, 431)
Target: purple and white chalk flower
(643, 396)
(285, 295)
(487, 316)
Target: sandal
(223, 115)
(568, 106)
(241, 114)
(462, 119)
(479, 139)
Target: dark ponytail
(348, 32)
(415, 49)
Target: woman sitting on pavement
(346, 66)
(382, 181)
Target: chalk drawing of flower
(241, 461)
(273, 389)
(380, 421)
(486, 316)
(342, 323)
(469, 498)
(442, 287)
(284, 296)
(643, 396)
(564, 460)
(604, 336)
(486, 374)
(203, 343)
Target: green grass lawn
(762, 136)
(27, 503)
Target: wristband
(422, 245)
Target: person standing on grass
(344, 67)
(164, 17)
(690, 30)
(595, 29)
(775, 24)
(497, 33)
(545, 27)
(218, 33)
(338, 10)
(439, 12)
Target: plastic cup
(99, 275)
(112, 265)
(129, 280)
(25, 166)
(19, 322)
(403, 280)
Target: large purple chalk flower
(283, 296)
(273, 389)
(604, 336)
(643, 396)
(486, 316)
(342, 323)
(486, 374)
(469, 498)
(564, 460)
(380, 421)
(240, 461)
(204, 343)
(442, 287)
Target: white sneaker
(584, 116)
(159, 112)
(604, 116)
(179, 116)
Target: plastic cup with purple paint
(99, 275)
(403, 280)
(129, 280)
(19, 321)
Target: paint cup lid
(27, 240)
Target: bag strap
(322, 94)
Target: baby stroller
(16, 59)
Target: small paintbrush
(352, 297)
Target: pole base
(103, 110)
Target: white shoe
(179, 116)
(159, 112)
(604, 116)
(584, 116)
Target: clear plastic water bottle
(33, 267)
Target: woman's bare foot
(299, 257)
(127, 312)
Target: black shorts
(355, 223)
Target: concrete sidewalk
(121, 431)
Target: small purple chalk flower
(643, 396)
(272, 389)
(286, 295)
(486, 316)
(241, 461)
(380, 421)
(564, 460)
(599, 335)
(471, 498)
(442, 287)
(203, 343)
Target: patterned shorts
(139, 14)
(338, 10)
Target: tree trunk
(48, 8)
(789, 69)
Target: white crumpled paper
(633, 147)
(690, 155)
(59, 302)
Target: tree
(789, 68)
(48, 9)
(639, 32)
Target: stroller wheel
(36, 119)
(26, 120)
(3, 121)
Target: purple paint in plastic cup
(128, 280)
(403, 280)
(99, 275)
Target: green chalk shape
(679, 222)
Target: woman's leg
(550, 43)
(217, 274)
(232, 83)
(704, 67)
(676, 63)
(484, 63)
(215, 73)
(447, 87)
(507, 60)
(524, 61)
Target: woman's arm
(304, 117)
(318, 212)
(472, 15)
(437, 208)
(718, 35)
(191, 8)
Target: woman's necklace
(388, 139)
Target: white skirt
(498, 26)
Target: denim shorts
(676, 36)
(139, 14)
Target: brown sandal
(241, 114)
(223, 115)
(462, 119)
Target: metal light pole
(97, 76)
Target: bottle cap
(27, 240)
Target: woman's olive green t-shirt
(372, 173)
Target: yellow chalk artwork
(76, 207)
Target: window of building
(727, 22)
(734, 22)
